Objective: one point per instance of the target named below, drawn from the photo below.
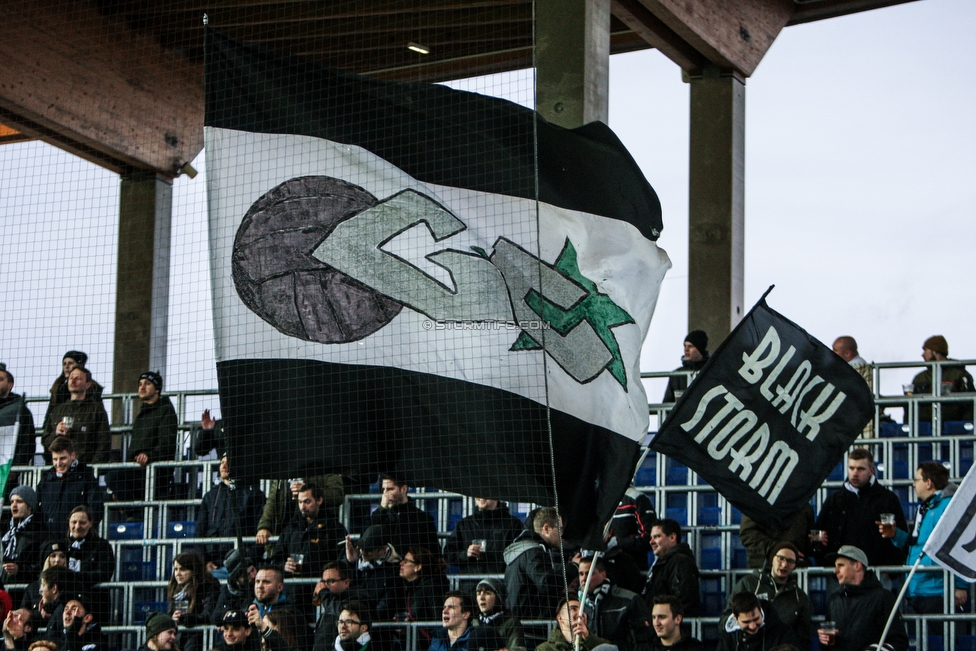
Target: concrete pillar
(572, 60)
(142, 285)
(716, 204)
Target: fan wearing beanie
(955, 379)
(160, 633)
(23, 539)
(694, 359)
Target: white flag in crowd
(953, 541)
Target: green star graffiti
(596, 308)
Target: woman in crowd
(192, 594)
(281, 632)
(417, 594)
(53, 554)
(91, 559)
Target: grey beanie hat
(27, 494)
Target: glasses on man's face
(408, 561)
(348, 622)
(331, 581)
(785, 560)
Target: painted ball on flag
(277, 277)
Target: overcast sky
(860, 194)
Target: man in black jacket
(667, 615)
(66, 484)
(24, 446)
(674, 572)
(534, 573)
(694, 359)
(478, 541)
(153, 439)
(861, 607)
(313, 535)
(617, 615)
(225, 511)
(79, 631)
(403, 523)
(754, 626)
(849, 513)
(237, 634)
(334, 590)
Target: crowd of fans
(394, 571)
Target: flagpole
(901, 595)
(577, 640)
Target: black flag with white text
(768, 418)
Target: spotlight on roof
(418, 48)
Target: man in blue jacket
(926, 588)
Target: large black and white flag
(768, 417)
(952, 544)
(426, 282)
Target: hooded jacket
(533, 580)
(792, 605)
(676, 574)
(849, 515)
(925, 584)
(498, 528)
(620, 617)
(509, 626)
(772, 633)
(861, 612)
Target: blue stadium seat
(892, 430)
(736, 515)
(710, 516)
(647, 473)
(966, 643)
(677, 474)
(958, 428)
(711, 551)
(935, 643)
(713, 597)
(126, 531)
(455, 513)
(965, 458)
(137, 571)
(679, 515)
(739, 555)
(143, 608)
(838, 473)
(181, 529)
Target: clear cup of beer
(888, 525)
(830, 630)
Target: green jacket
(557, 642)
(962, 382)
(90, 432)
(281, 505)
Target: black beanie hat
(79, 357)
(699, 340)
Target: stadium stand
(145, 549)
